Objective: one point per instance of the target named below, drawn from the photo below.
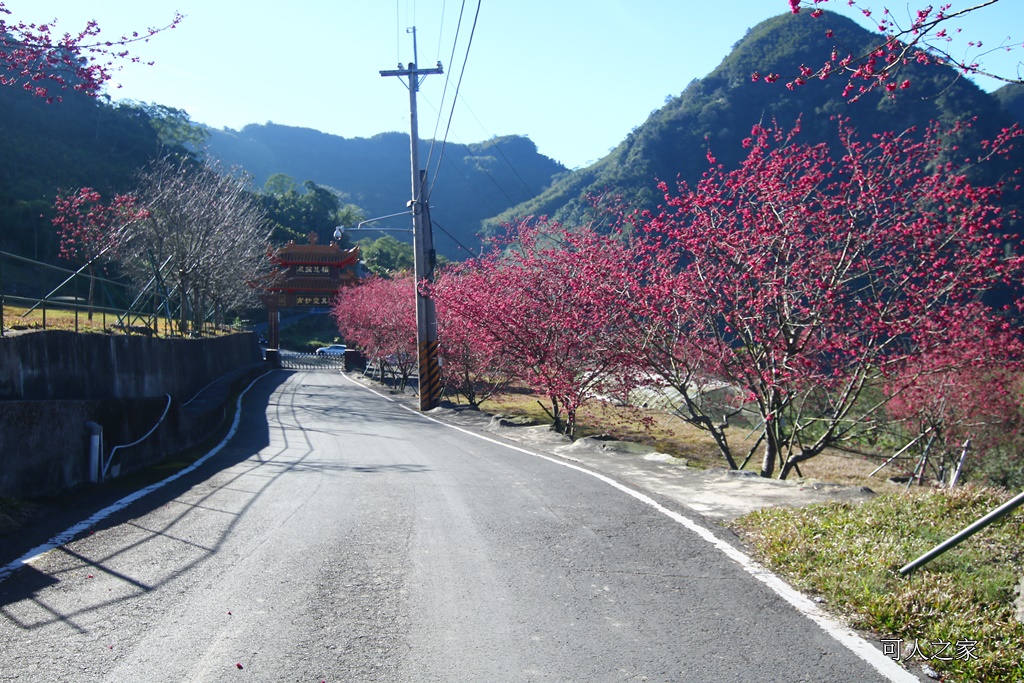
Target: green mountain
(50, 148)
(718, 111)
(83, 141)
(1011, 99)
(471, 183)
(89, 142)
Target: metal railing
(42, 289)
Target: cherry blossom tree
(91, 231)
(545, 300)
(662, 342)
(37, 58)
(923, 36)
(379, 316)
(473, 365)
(804, 281)
(972, 398)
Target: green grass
(849, 554)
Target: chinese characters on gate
(307, 300)
(312, 270)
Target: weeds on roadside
(956, 614)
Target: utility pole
(423, 242)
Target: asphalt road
(341, 537)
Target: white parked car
(332, 350)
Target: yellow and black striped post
(430, 376)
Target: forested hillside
(50, 148)
(472, 182)
(82, 141)
(87, 142)
(717, 112)
(1011, 98)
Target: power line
(473, 188)
(440, 32)
(458, 85)
(529, 191)
(453, 239)
(447, 80)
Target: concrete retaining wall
(44, 446)
(52, 383)
(54, 364)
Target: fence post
(960, 465)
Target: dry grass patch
(659, 430)
(851, 470)
(19, 319)
(669, 434)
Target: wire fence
(36, 295)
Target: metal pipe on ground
(997, 514)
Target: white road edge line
(846, 636)
(69, 533)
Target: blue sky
(573, 75)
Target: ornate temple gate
(304, 276)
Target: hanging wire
(472, 155)
(529, 191)
(440, 32)
(453, 239)
(458, 85)
(470, 185)
(447, 80)
(398, 35)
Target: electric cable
(458, 85)
(453, 239)
(472, 155)
(447, 80)
(440, 31)
(529, 191)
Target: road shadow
(270, 443)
